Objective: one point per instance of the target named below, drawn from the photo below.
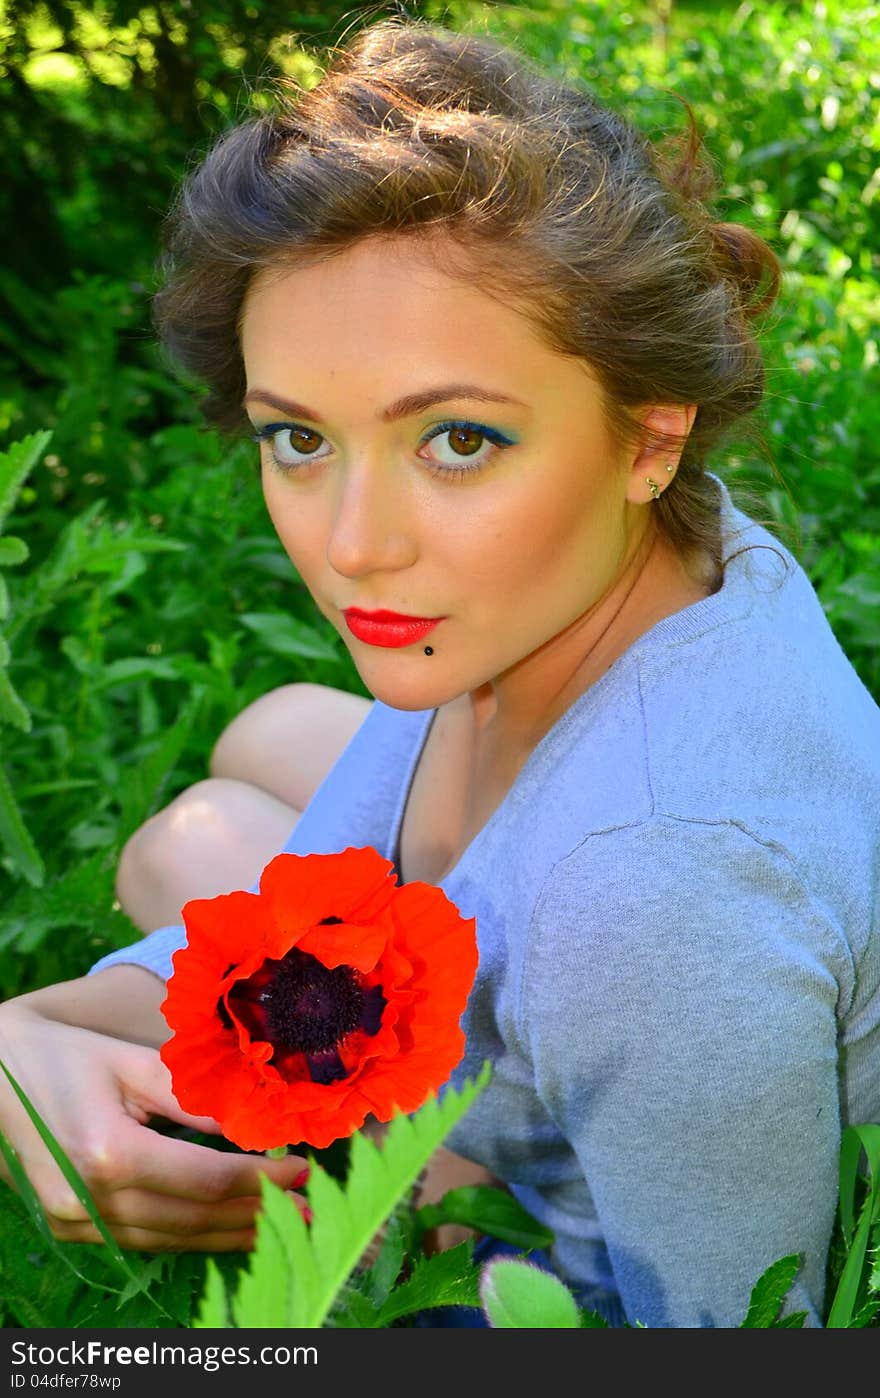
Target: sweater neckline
(730, 602)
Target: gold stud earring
(655, 493)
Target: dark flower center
(310, 1008)
(301, 1006)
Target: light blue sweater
(679, 932)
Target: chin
(410, 693)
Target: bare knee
(215, 837)
(286, 741)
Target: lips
(383, 628)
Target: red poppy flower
(332, 994)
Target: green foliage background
(155, 601)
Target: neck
(515, 710)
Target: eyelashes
(451, 470)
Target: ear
(653, 462)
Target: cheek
(293, 521)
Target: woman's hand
(96, 1095)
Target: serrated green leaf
(346, 1221)
(150, 1272)
(865, 1315)
(769, 1292)
(213, 1312)
(795, 1321)
(296, 1273)
(16, 464)
(384, 1272)
(593, 1320)
(275, 1291)
(354, 1311)
(447, 1278)
(14, 835)
(518, 1295)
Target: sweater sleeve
(153, 952)
(679, 1006)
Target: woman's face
(502, 507)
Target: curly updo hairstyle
(559, 205)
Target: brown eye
(299, 439)
(284, 438)
(465, 441)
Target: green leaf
(852, 1285)
(487, 1209)
(145, 784)
(592, 1320)
(14, 836)
(384, 1272)
(354, 1311)
(16, 464)
(213, 1313)
(865, 1316)
(795, 1321)
(137, 667)
(769, 1292)
(13, 551)
(519, 1295)
(284, 1275)
(12, 709)
(446, 1279)
(296, 1272)
(284, 635)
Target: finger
(145, 1240)
(157, 1213)
(164, 1165)
(135, 1209)
(147, 1091)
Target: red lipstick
(383, 628)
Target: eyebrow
(404, 407)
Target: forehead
(388, 297)
(429, 258)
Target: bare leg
(220, 833)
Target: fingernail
(302, 1178)
(307, 1214)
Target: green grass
(131, 625)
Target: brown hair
(600, 238)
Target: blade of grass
(30, 1199)
(80, 1189)
(851, 1287)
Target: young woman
(486, 336)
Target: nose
(371, 527)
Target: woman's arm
(681, 1006)
(122, 1002)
